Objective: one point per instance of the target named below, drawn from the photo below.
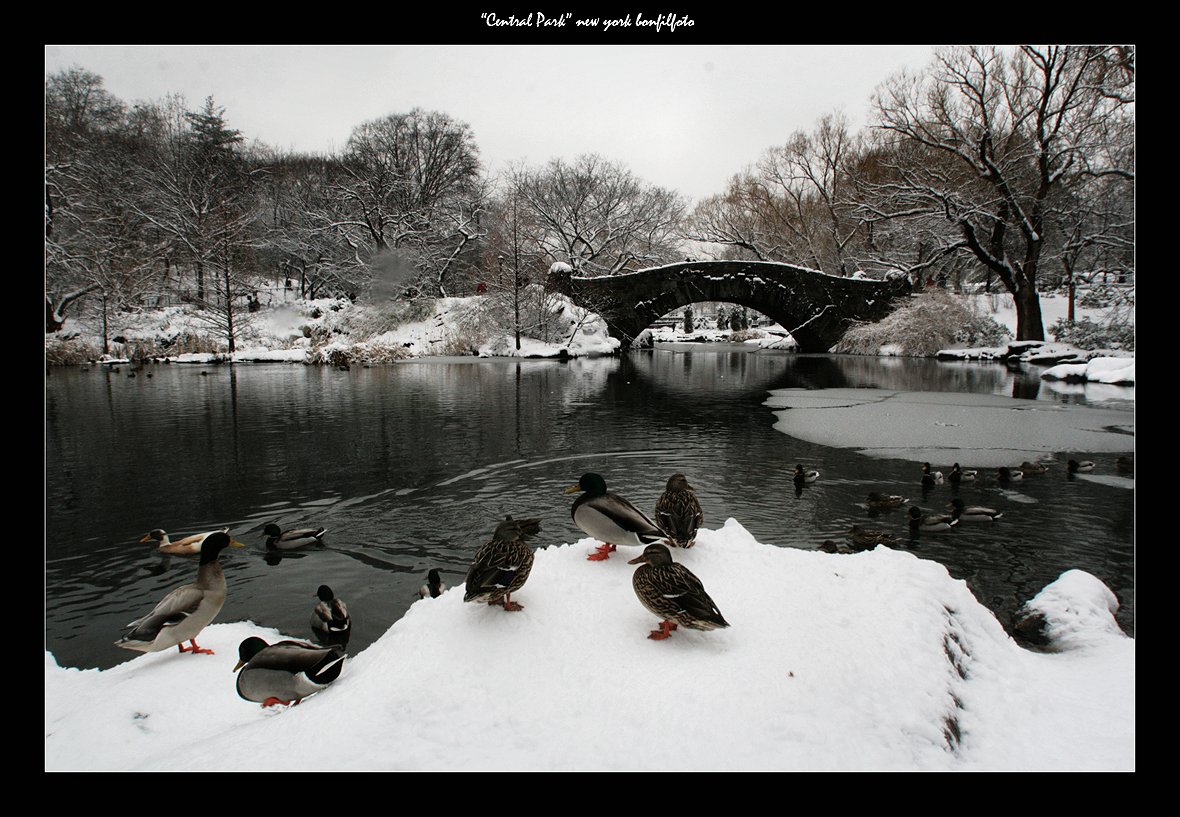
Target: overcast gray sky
(683, 117)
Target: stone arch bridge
(816, 308)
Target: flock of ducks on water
(288, 671)
(920, 521)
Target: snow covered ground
(870, 661)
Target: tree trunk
(1029, 324)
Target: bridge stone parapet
(816, 308)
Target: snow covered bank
(335, 331)
(875, 660)
(1113, 370)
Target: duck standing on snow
(972, 513)
(502, 564)
(931, 523)
(672, 592)
(330, 622)
(182, 614)
(434, 586)
(278, 539)
(285, 672)
(679, 513)
(188, 546)
(610, 519)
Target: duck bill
(234, 543)
(640, 559)
(239, 665)
(146, 538)
(573, 489)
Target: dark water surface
(411, 465)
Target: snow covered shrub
(921, 327)
(743, 335)
(1089, 334)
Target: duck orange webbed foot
(665, 630)
(601, 553)
(512, 607)
(195, 649)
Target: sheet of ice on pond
(985, 430)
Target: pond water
(410, 466)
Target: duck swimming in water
(972, 513)
(188, 546)
(330, 622)
(434, 586)
(931, 523)
(930, 478)
(278, 539)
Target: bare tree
(598, 216)
(796, 205)
(411, 182)
(94, 241)
(987, 141)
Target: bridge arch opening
(714, 321)
(814, 307)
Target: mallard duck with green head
(609, 518)
(803, 476)
(972, 513)
(959, 475)
(1032, 469)
(330, 621)
(679, 512)
(1076, 467)
(930, 478)
(285, 672)
(502, 564)
(188, 546)
(182, 614)
(279, 539)
(434, 586)
(672, 592)
(1004, 474)
(930, 523)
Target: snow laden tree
(515, 269)
(796, 205)
(598, 217)
(983, 148)
(410, 185)
(197, 190)
(300, 225)
(93, 240)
